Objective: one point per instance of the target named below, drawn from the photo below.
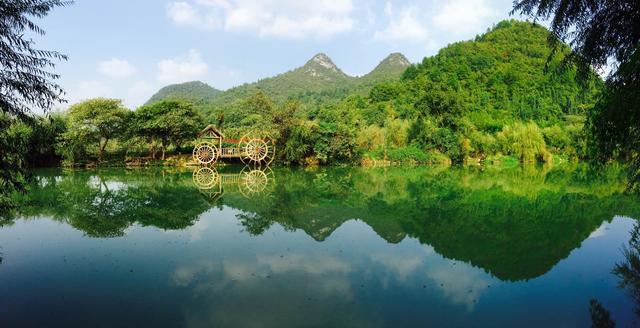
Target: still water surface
(335, 247)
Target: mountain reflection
(514, 223)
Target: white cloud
(182, 13)
(116, 68)
(138, 93)
(464, 16)
(403, 25)
(182, 69)
(460, 284)
(89, 89)
(278, 18)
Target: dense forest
(491, 99)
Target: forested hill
(195, 92)
(498, 77)
(488, 99)
(315, 83)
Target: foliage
(94, 121)
(25, 83)
(487, 99)
(598, 31)
(42, 143)
(524, 141)
(14, 143)
(166, 122)
(316, 83)
(24, 80)
(196, 92)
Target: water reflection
(628, 271)
(424, 246)
(249, 181)
(520, 222)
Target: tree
(167, 122)
(599, 31)
(96, 121)
(25, 83)
(523, 140)
(14, 141)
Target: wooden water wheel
(205, 153)
(256, 149)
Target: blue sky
(128, 49)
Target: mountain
(195, 91)
(319, 74)
(317, 82)
(501, 76)
(394, 65)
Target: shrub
(556, 137)
(525, 141)
(396, 133)
(371, 137)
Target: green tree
(96, 121)
(523, 140)
(166, 122)
(14, 140)
(25, 83)
(46, 131)
(599, 31)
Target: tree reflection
(516, 223)
(628, 271)
(600, 317)
(105, 204)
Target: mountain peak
(396, 58)
(321, 66)
(323, 60)
(393, 65)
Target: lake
(326, 247)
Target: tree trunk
(164, 147)
(101, 147)
(152, 148)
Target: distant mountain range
(317, 81)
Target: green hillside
(195, 92)
(394, 65)
(499, 77)
(498, 98)
(496, 94)
(317, 82)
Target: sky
(128, 49)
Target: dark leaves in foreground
(25, 81)
(600, 317)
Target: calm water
(336, 247)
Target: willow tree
(602, 33)
(25, 83)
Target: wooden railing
(230, 152)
